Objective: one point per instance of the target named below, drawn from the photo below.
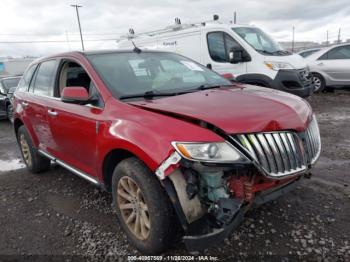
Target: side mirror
(75, 95)
(238, 55)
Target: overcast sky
(50, 20)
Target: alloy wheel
(317, 83)
(133, 208)
(25, 150)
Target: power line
(55, 41)
(45, 34)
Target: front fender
(150, 139)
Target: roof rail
(175, 27)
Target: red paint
(72, 135)
(239, 110)
(245, 187)
(228, 76)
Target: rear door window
(45, 78)
(341, 52)
(26, 79)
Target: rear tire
(35, 162)
(139, 198)
(319, 83)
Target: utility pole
(339, 36)
(235, 17)
(293, 40)
(327, 42)
(81, 35)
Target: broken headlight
(221, 152)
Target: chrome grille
(283, 153)
(312, 142)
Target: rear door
(336, 64)
(74, 127)
(37, 100)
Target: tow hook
(225, 210)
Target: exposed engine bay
(213, 199)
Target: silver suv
(330, 67)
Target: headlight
(278, 65)
(209, 152)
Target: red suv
(180, 148)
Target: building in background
(13, 66)
(299, 46)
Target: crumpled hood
(238, 109)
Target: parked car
(6, 84)
(174, 142)
(307, 52)
(247, 52)
(330, 67)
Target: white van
(246, 52)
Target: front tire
(143, 208)
(35, 162)
(318, 82)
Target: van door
(217, 46)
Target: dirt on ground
(58, 216)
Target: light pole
(81, 35)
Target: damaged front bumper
(200, 241)
(211, 198)
(205, 225)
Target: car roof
(93, 52)
(10, 77)
(324, 50)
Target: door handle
(52, 112)
(24, 104)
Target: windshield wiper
(282, 52)
(151, 94)
(205, 87)
(265, 52)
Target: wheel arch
(111, 160)
(322, 74)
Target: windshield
(130, 73)
(9, 83)
(260, 41)
(308, 52)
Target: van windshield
(260, 41)
(128, 74)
